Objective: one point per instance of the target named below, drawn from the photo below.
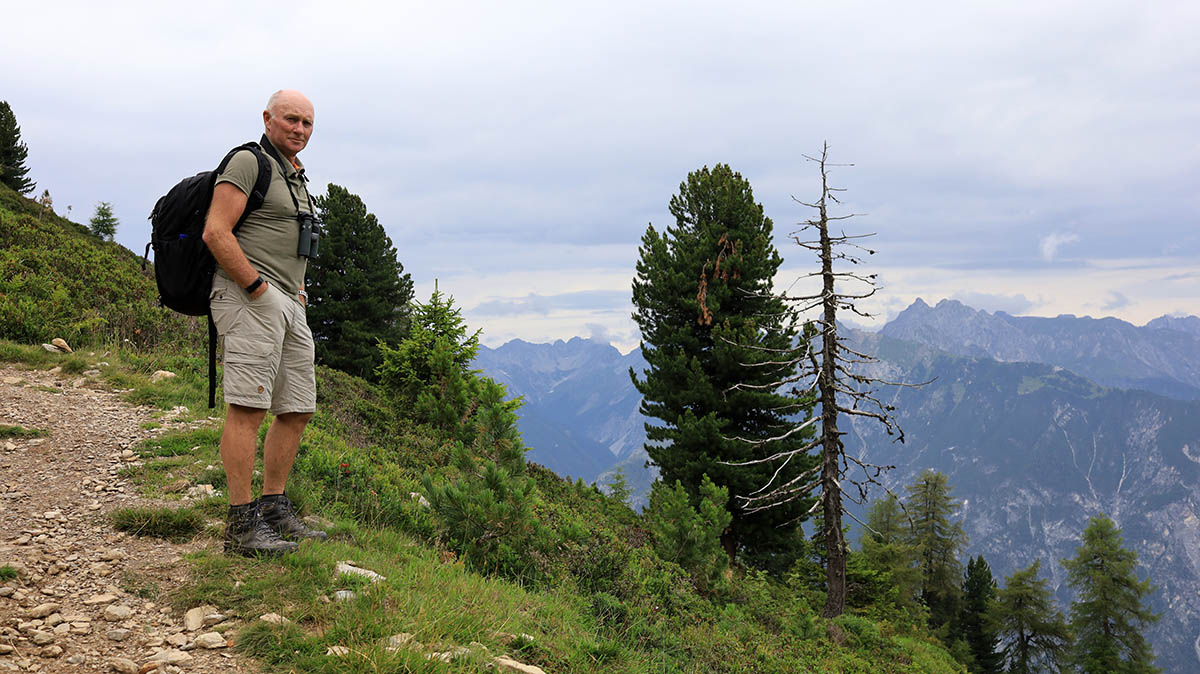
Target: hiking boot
(277, 512)
(247, 534)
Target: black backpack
(183, 265)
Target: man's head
(289, 122)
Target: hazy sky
(1033, 157)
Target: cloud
(991, 302)
(1115, 301)
(1049, 245)
(542, 305)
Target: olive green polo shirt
(270, 234)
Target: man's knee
(298, 418)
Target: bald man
(258, 306)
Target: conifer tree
(104, 224)
(974, 622)
(358, 292)
(1109, 614)
(436, 350)
(13, 152)
(1034, 636)
(702, 299)
(937, 541)
(885, 547)
(691, 537)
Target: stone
(172, 656)
(343, 595)
(211, 640)
(506, 664)
(347, 567)
(123, 666)
(112, 555)
(98, 599)
(117, 612)
(201, 491)
(274, 619)
(214, 619)
(41, 638)
(6, 649)
(177, 640)
(50, 347)
(52, 651)
(193, 620)
(62, 628)
(76, 659)
(450, 655)
(160, 375)
(118, 634)
(337, 651)
(13, 381)
(61, 344)
(43, 610)
(403, 640)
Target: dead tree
(825, 366)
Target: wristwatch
(303, 293)
(254, 286)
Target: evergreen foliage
(974, 623)
(358, 293)
(702, 298)
(618, 486)
(691, 537)
(13, 153)
(886, 548)
(437, 340)
(1033, 634)
(1108, 616)
(104, 224)
(937, 542)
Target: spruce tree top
(12, 152)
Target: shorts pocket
(244, 350)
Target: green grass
(177, 525)
(7, 572)
(7, 431)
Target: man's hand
(258, 292)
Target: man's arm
(228, 202)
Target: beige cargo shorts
(268, 348)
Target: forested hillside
(587, 584)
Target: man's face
(289, 124)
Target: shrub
(690, 537)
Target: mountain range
(1039, 423)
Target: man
(258, 306)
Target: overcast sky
(1032, 157)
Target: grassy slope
(609, 605)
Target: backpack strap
(212, 361)
(258, 194)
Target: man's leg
(245, 531)
(238, 443)
(279, 450)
